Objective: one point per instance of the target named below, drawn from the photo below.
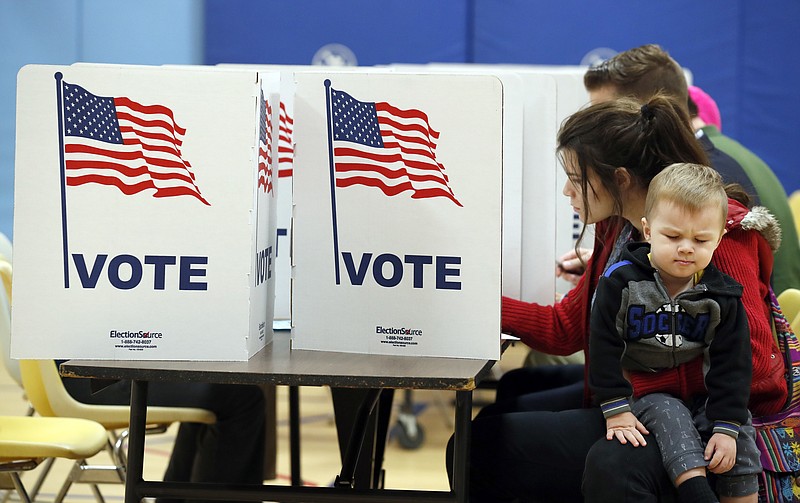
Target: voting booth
(538, 223)
(285, 172)
(144, 212)
(286, 169)
(397, 214)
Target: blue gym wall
(62, 32)
(742, 53)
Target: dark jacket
(635, 325)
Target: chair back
(5, 247)
(35, 389)
(12, 366)
(49, 397)
(789, 301)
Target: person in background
(662, 305)
(703, 107)
(641, 72)
(707, 121)
(644, 71)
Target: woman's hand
(626, 428)
(569, 267)
(720, 453)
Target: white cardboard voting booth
(285, 166)
(144, 213)
(397, 214)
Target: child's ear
(724, 231)
(645, 229)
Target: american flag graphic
(265, 145)
(285, 148)
(122, 143)
(382, 146)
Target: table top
(276, 363)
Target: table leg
(136, 431)
(463, 430)
(382, 413)
(270, 431)
(294, 435)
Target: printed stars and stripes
(382, 146)
(265, 145)
(285, 147)
(124, 144)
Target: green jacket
(770, 191)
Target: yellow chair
(789, 301)
(6, 249)
(50, 398)
(12, 366)
(25, 441)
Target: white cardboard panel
(104, 273)
(436, 288)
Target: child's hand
(721, 451)
(626, 428)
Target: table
(370, 375)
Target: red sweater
(743, 254)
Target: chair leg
(48, 464)
(7, 485)
(97, 495)
(23, 494)
(76, 469)
(118, 452)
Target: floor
(406, 468)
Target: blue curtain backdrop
(742, 53)
(62, 32)
(291, 32)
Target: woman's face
(599, 204)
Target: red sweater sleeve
(557, 329)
